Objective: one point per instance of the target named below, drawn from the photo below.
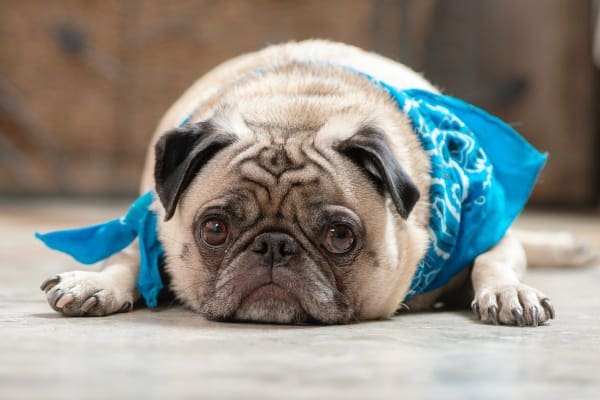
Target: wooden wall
(83, 83)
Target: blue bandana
(95, 243)
(482, 175)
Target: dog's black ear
(180, 154)
(369, 149)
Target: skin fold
(297, 193)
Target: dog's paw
(85, 293)
(575, 252)
(517, 304)
(556, 249)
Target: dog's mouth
(270, 303)
(296, 293)
(270, 291)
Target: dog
(297, 191)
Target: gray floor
(173, 353)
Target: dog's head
(291, 209)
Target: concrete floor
(172, 352)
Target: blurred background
(84, 83)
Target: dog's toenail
(126, 307)
(548, 307)
(518, 314)
(49, 283)
(56, 297)
(493, 313)
(64, 300)
(89, 303)
(475, 309)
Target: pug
(289, 187)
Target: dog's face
(286, 216)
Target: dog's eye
(214, 232)
(339, 239)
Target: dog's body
(299, 193)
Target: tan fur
(212, 83)
(346, 101)
(298, 101)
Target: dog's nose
(275, 249)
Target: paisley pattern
(461, 177)
(482, 174)
(92, 244)
(469, 210)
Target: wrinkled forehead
(281, 165)
(286, 149)
(287, 141)
(288, 173)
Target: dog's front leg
(111, 290)
(500, 297)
